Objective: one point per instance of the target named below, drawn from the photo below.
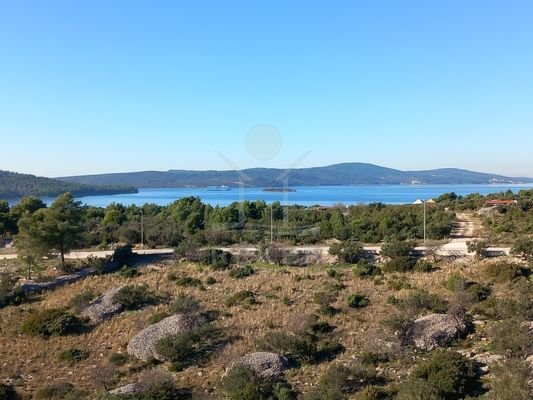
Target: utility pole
(271, 225)
(142, 228)
(424, 223)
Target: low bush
(52, 322)
(242, 272)
(332, 272)
(216, 258)
(134, 297)
(511, 381)
(210, 281)
(364, 269)
(421, 300)
(349, 251)
(423, 266)
(400, 264)
(118, 359)
(504, 272)
(122, 255)
(324, 300)
(244, 298)
(397, 248)
(374, 359)
(340, 381)
(185, 304)
(512, 337)
(128, 272)
(187, 281)
(372, 393)
(10, 294)
(7, 392)
(417, 389)
(59, 391)
(81, 300)
(357, 300)
(242, 383)
(186, 347)
(73, 355)
(157, 317)
(450, 373)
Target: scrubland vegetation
(364, 326)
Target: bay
(303, 195)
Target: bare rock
(265, 365)
(103, 307)
(132, 388)
(143, 345)
(436, 330)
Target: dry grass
(35, 361)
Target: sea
(302, 195)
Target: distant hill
(339, 174)
(14, 185)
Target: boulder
(103, 307)
(143, 345)
(436, 330)
(132, 388)
(265, 365)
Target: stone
(143, 345)
(103, 307)
(265, 365)
(436, 330)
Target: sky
(111, 86)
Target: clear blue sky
(106, 86)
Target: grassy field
(282, 294)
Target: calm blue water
(304, 195)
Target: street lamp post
(424, 223)
(271, 225)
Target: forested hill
(14, 185)
(339, 174)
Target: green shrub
(10, 294)
(400, 264)
(245, 298)
(450, 373)
(118, 359)
(242, 383)
(81, 300)
(185, 347)
(210, 281)
(157, 317)
(134, 297)
(417, 389)
(397, 248)
(324, 300)
(512, 337)
(341, 380)
(364, 269)
(423, 266)
(421, 300)
(511, 381)
(187, 281)
(372, 393)
(332, 272)
(349, 251)
(185, 304)
(128, 272)
(217, 259)
(242, 272)
(123, 254)
(68, 267)
(357, 300)
(374, 359)
(52, 322)
(59, 391)
(7, 392)
(503, 272)
(73, 355)
(398, 283)
(392, 300)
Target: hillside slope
(14, 185)
(339, 174)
